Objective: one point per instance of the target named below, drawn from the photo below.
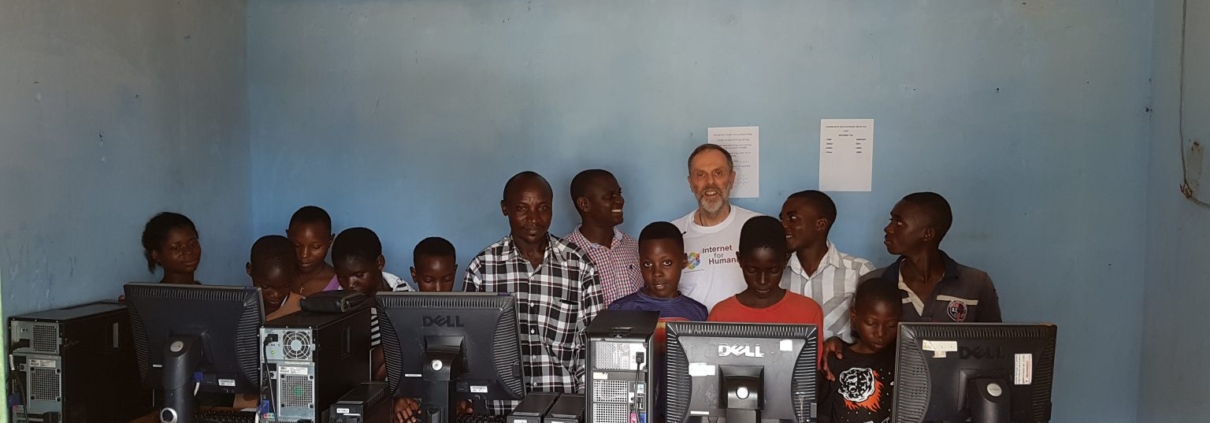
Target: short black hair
(662, 230)
(877, 290)
(311, 214)
(272, 251)
(433, 247)
(709, 146)
(762, 232)
(821, 202)
(938, 211)
(580, 183)
(358, 244)
(156, 232)
(517, 181)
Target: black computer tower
(77, 365)
(620, 366)
(569, 408)
(367, 403)
(312, 359)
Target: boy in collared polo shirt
(935, 287)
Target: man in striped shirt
(816, 268)
(598, 199)
(555, 283)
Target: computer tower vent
(610, 413)
(297, 345)
(297, 391)
(611, 391)
(46, 338)
(44, 384)
(612, 355)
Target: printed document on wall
(846, 154)
(744, 145)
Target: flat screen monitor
(985, 372)
(441, 346)
(740, 372)
(195, 338)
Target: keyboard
(224, 416)
(477, 418)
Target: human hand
(833, 346)
(465, 408)
(407, 410)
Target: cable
(1186, 187)
(265, 381)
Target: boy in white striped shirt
(817, 269)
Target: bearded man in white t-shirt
(712, 273)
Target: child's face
(361, 276)
(311, 242)
(762, 269)
(661, 262)
(274, 284)
(180, 252)
(876, 322)
(802, 223)
(434, 274)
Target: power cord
(1187, 188)
(19, 390)
(265, 380)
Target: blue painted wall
(1175, 348)
(111, 111)
(1030, 116)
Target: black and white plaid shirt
(555, 302)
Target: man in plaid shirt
(598, 199)
(555, 284)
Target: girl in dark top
(170, 241)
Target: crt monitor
(442, 346)
(740, 372)
(984, 373)
(195, 338)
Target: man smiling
(712, 231)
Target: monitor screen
(987, 371)
(479, 328)
(704, 356)
(224, 319)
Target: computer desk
(154, 416)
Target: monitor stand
(181, 356)
(988, 400)
(740, 392)
(443, 356)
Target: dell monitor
(195, 338)
(442, 346)
(740, 372)
(983, 373)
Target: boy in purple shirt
(661, 259)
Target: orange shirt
(792, 309)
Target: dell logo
(740, 351)
(443, 321)
(980, 353)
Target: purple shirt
(334, 285)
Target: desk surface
(154, 417)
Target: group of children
(858, 375)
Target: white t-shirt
(712, 273)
